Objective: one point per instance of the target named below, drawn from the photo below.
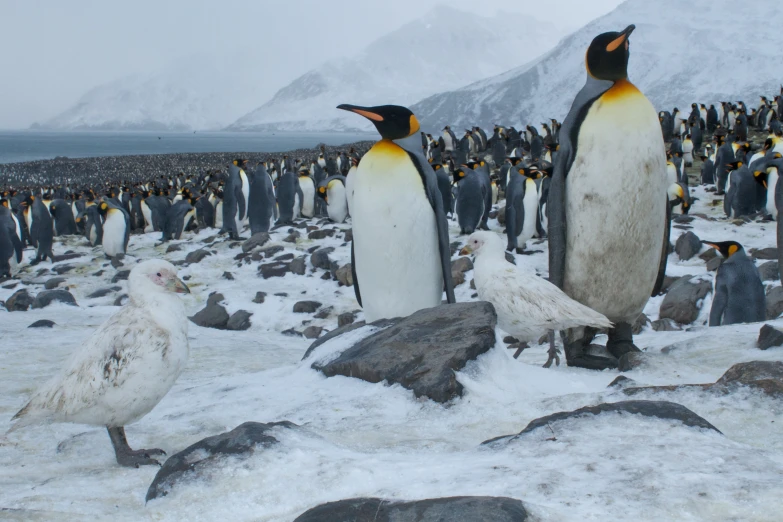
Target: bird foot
(620, 348)
(591, 362)
(554, 355)
(136, 458)
(520, 347)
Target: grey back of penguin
(739, 293)
(742, 196)
(10, 244)
(231, 202)
(64, 223)
(261, 207)
(287, 189)
(175, 220)
(43, 230)
(470, 202)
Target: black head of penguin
(726, 248)
(607, 56)
(103, 208)
(530, 171)
(458, 173)
(734, 165)
(393, 122)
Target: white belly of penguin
(615, 208)
(219, 214)
(147, 213)
(245, 195)
(530, 204)
(114, 233)
(395, 240)
(772, 181)
(337, 204)
(308, 196)
(296, 206)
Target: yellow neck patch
(622, 89)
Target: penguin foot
(136, 458)
(591, 362)
(620, 348)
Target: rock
(461, 264)
(197, 459)
(239, 320)
(228, 275)
(502, 215)
(766, 376)
(66, 256)
(714, 263)
(510, 340)
(510, 258)
(348, 237)
(256, 241)
(683, 301)
(421, 352)
(345, 319)
(292, 237)
(320, 258)
(298, 266)
(451, 509)
(54, 282)
(312, 332)
(775, 302)
(103, 292)
(42, 323)
(215, 298)
(291, 333)
(62, 269)
(268, 270)
(259, 298)
(640, 323)
(269, 251)
(321, 234)
(281, 294)
(621, 382)
(284, 257)
(708, 254)
(121, 299)
(631, 361)
(660, 409)
(457, 278)
(769, 337)
(10, 286)
(173, 248)
(197, 256)
(668, 281)
(769, 271)
(209, 239)
(121, 275)
(687, 246)
(344, 275)
(665, 325)
(47, 297)
(306, 307)
(211, 316)
(764, 253)
(116, 261)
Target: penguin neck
(411, 143)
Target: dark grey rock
(292, 237)
(62, 269)
(103, 292)
(345, 319)
(256, 241)
(228, 275)
(20, 301)
(197, 256)
(312, 332)
(344, 275)
(281, 294)
(769, 337)
(708, 254)
(121, 275)
(215, 298)
(687, 246)
(461, 264)
(239, 320)
(326, 276)
(306, 307)
(448, 509)
(284, 257)
(121, 300)
(659, 409)
(211, 316)
(259, 298)
(268, 270)
(766, 376)
(176, 247)
(66, 256)
(668, 281)
(269, 251)
(324, 313)
(116, 261)
(631, 361)
(320, 258)
(510, 258)
(291, 333)
(640, 323)
(769, 271)
(421, 352)
(775, 302)
(47, 297)
(196, 460)
(54, 282)
(10, 286)
(298, 266)
(348, 237)
(621, 382)
(764, 253)
(42, 323)
(321, 234)
(665, 325)
(683, 301)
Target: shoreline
(142, 167)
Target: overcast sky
(53, 51)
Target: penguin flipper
(430, 182)
(557, 226)
(664, 251)
(355, 279)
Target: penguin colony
(568, 183)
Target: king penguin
(332, 191)
(739, 293)
(522, 209)
(400, 253)
(116, 228)
(603, 252)
(307, 188)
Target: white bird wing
(100, 363)
(526, 298)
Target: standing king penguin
(400, 252)
(603, 252)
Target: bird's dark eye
(159, 274)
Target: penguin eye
(158, 274)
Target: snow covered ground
(375, 440)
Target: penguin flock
(606, 211)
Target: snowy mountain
(444, 49)
(681, 52)
(201, 92)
